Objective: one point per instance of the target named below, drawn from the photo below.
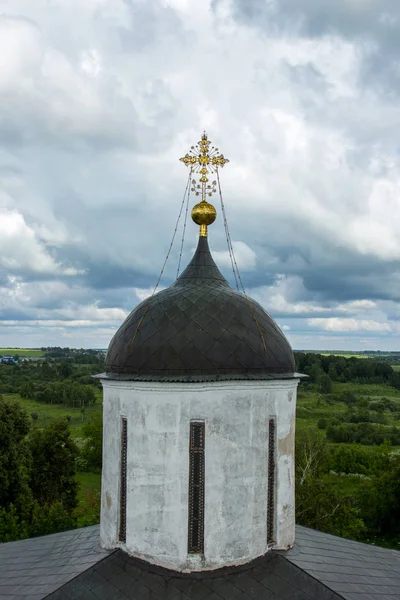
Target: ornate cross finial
(204, 160)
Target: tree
(89, 395)
(93, 432)
(65, 370)
(318, 505)
(14, 455)
(332, 372)
(351, 459)
(12, 527)
(315, 372)
(27, 390)
(325, 384)
(50, 519)
(311, 455)
(52, 476)
(381, 502)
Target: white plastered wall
(236, 416)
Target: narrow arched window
(271, 482)
(196, 489)
(122, 482)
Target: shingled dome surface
(199, 328)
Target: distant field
(375, 355)
(311, 405)
(47, 412)
(346, 355)
(24, 352)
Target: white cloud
(356, 306)
(143, 293)
(338, 324)
(245, 257)
(96, 111)
(20, 250)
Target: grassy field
(89, 483)
(345, 355)
(312, 406)
(47, 412)
(22, 352)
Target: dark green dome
(199, 328)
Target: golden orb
(204, 213)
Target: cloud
(20, 250)
(337, 324)
(95, 111)
(245, 257)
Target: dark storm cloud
(374, 24)
(353, 19)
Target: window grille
(271, 483)
(122, 488)
(196, 489)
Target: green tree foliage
(14, 455)
(364, 370)
(50, 519)
(27, 390)
(92, 450)
(88, 511)
(12, 524)
(317, 504)
(314, 372)
(348, 398)
(369, 434)
(52, 476)
(381, 501)
(67, 392)
(65, 370)
(30, 378)
(321, 507)
(37, 475)
(325, 384)
(351, 459)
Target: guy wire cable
(164, 265)
(227, 235)
(184, 227)
(233, 259)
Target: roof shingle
(72, 566)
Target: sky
(100, 98)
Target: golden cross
(204, 160)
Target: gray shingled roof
(72, 566)
(121, 577)
(33, 568)
(354, 570)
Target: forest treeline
(52, 381)
(352, 440)
(367, 513)
(38, 466)
(348, 468)
(320, 367)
